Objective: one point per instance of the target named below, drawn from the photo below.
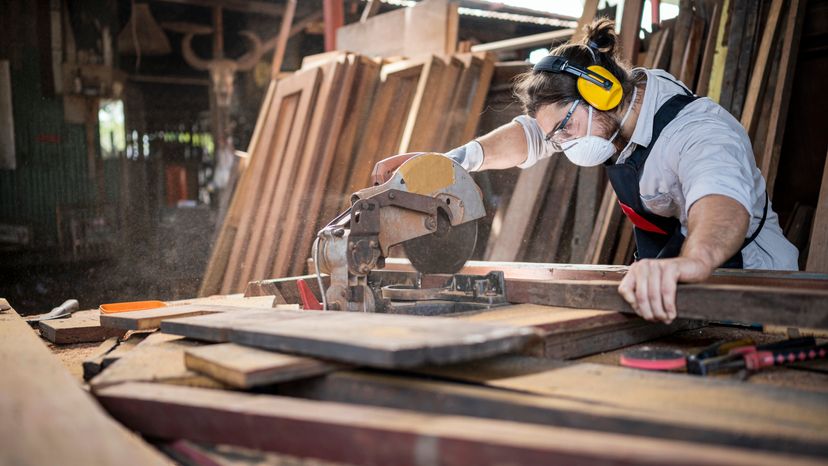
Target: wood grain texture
(377, 340)
(818, 249)
(152, 318)
(780, 102)
(766, 305)
(379, 436)
(428, 27)
(521, 212)
(220, 252)
(80, 327)
(246, 367)
(159, 360)
(616, 401)
(761, 67)
(53, 418)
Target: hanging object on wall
(142, 35)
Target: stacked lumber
(378, 387)
(319, 133)
(740, 53)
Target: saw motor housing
(428, 196)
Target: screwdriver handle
(759, 359)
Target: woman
(682, 167)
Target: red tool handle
(760, 359)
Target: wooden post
(284, 34)
(334, 14)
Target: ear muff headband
(596, 84)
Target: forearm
(505, 147)
(717, 226)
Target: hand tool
(429, 206)
(64, 310)
(754, 357)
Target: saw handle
(385, 168)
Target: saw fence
(318, 136)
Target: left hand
(650, 285)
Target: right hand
(385, 168)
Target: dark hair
(538, 89)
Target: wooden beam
(630, 27)
(380, 436)
(48, 417)
(281, 42)
(761, 66)
(765, 305)
(244, 6)
(334, 14)
(595, 398)
(546, 39)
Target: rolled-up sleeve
(714, 160)
(538, 147)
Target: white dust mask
(589, 151)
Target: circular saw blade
(444, 251)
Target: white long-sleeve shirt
(703, 151)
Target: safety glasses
(559, 135)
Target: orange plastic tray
(112, 308)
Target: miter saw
(430, 206)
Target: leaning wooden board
(378, 340)
(47, 417)
(379, 436)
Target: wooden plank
(818, 249)
(706, 66)
(357, 113)
(540, 271)
(245, 367)
(430, 100)
(554, 219)
(80, 327)
(630, 27)
(50, 408)
(690, 58)
(714, 88)
(298, 97)
(761, 67)
(159, 358)
(681, 35)
(735, 35)
(427, 27)
(152, 318)
(478, 99)
(377, 340)
(378, 436)
(746, 48)
(766, 305)
(298, 231)
(625, 409)
(383, 130)
(602, 243)
(781, 96)
(545, 39)
(587, 202)
(521, 212)
(220, 252)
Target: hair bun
(601, 37)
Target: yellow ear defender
(597, 86)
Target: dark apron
(658, 237)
